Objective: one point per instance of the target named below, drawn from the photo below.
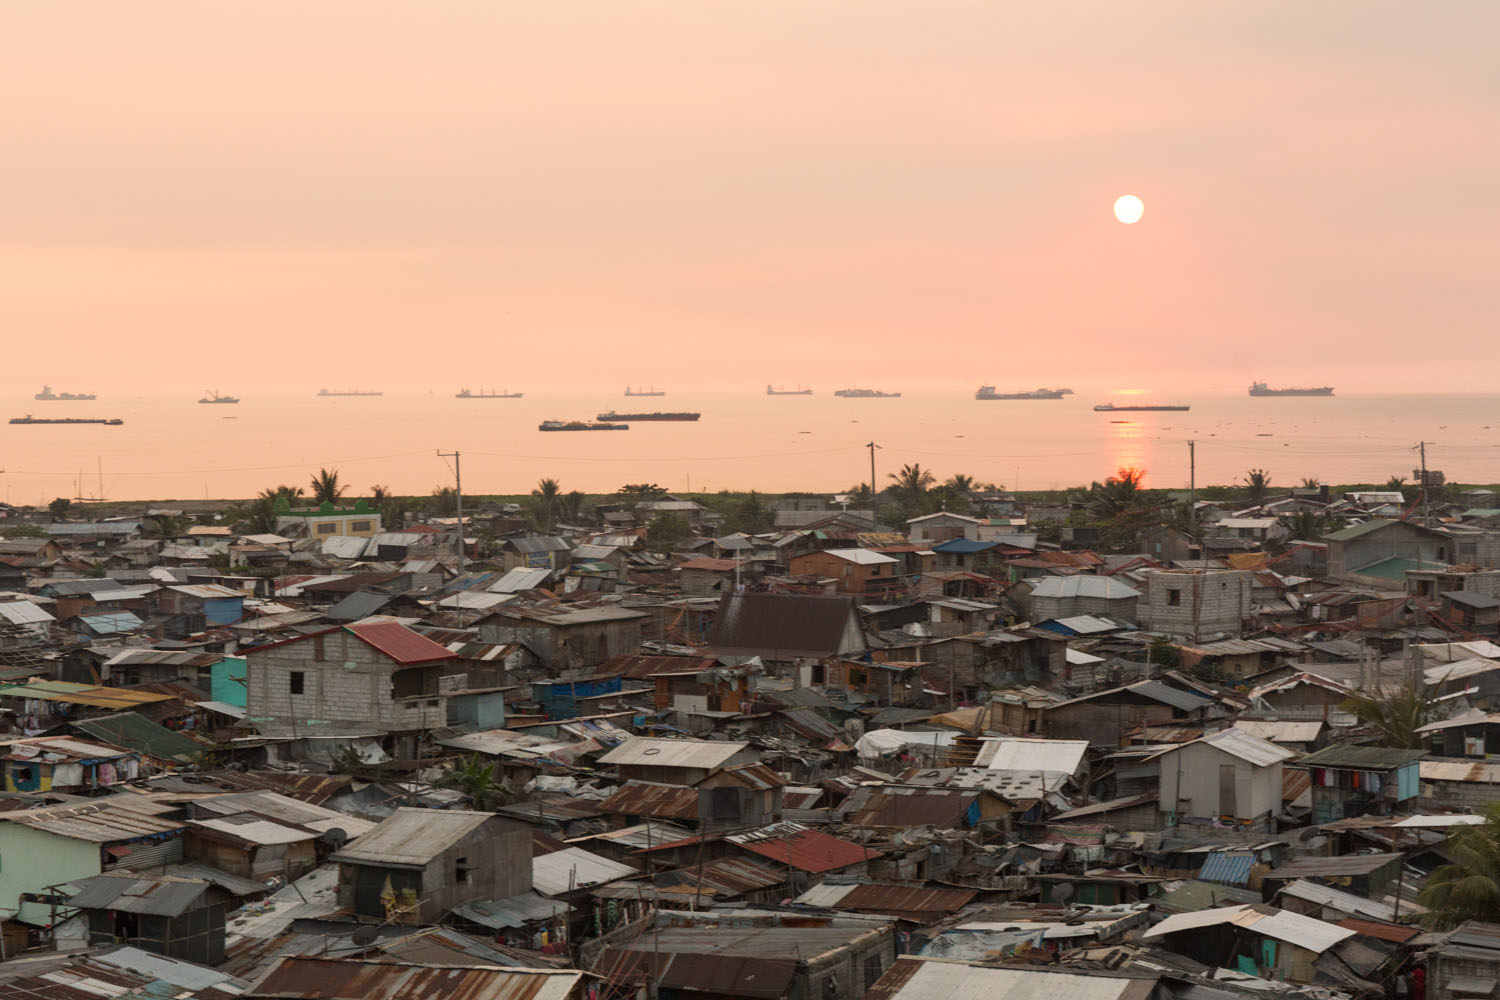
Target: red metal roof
(809, 850)
(401, 643)
(1399, 933)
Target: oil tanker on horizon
(867, 394)
(48, 395)
(1261, 389)
(1137, 408)
(487, 394)
(579, 425)
(988, 392)
(29, 419)
(631, 418)
(778, 390)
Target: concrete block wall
(1207, 602)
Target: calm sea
(174, 448)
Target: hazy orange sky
(726, 193)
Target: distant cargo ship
(631, 418)
(29, 419)
(1112, 408)
(490, 394)
(988, 392)
(780, 391)
(349, 392)
(867, 394)
(579, 425)
(48, 394)
(214, 397)
(649, 391)
(1261, 389)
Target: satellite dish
(1062, 892)
(274, 882)
(334, 837)
(365, 935)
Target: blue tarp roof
(963, 546)
(1230, 868)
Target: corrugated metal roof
(1251, 749)
(521, 579)
(1282, 730)
(295, 977)
(781, 625)
(92, 695)
(647, 798)
(1396, 933)
(645, 750)
(516, 911)
(97, 823)
(1362, 758)
(136, 732)
(160, 895)
(888, 898)
(254, 831)
(412, 837)
(563, 871)
(1344, 864)
(914, 979)
(400, 643)
(1283, 925)
(24, 613)
(1014, 753)
(1227, 867)
(1338, 899)
(805, 849)
(1103, 587)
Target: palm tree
(164, 527)
(380, 494)
(911, 483)
(1119, 492)
(1396, 715)
(326, 487)
(1259, 481)
(476, 779)
(1310, 482)
(961, 483)
(570, 507)
(544, 504)
(1468, 888)
(1309, 525)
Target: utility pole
(458, 490)
(1192, 488)
(1422, 448)
(874, 507)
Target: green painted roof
(136, 732)
(1481, 512)
(1360, 530)
(1395, 568)
(1362, 758)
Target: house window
(1174, 598)
(327, 528)
(297, 681)
(360, 526)
(461, 870)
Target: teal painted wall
(31, 860)
(223, 684)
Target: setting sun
(1129, 209)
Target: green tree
(570, 507)
(259, 516)
(946, 497)
(910, 485)
(59, 508)
(164, 527)
(443, 501)
(667, 530)
(1310, 483)
(1119, 492)
(477, 780)
(1259, 483)
(380, 493)
(544, 505)
(1468, 887)
(326, 487)
(21, 531)
(1309, 525)
(290, 494)
(961, 483)
(1397, 715)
